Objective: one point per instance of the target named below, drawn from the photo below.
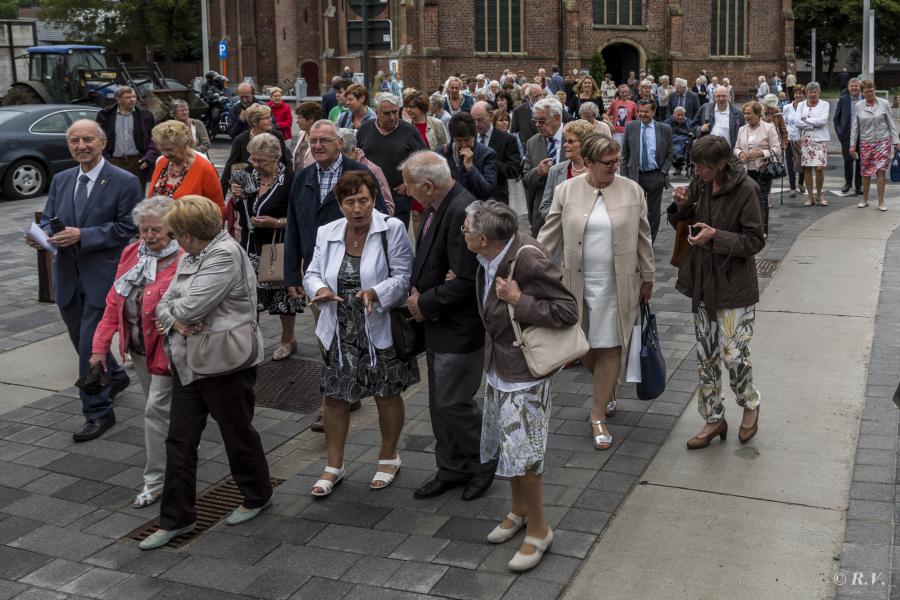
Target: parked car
(33, 145)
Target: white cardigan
(374, 273)
(814, 119)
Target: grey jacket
(631, 150)
(211, 291)
(873, 123)
(558, 173)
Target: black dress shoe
(436, 487)
(94, 428)
(118, 387)
(859, 192)
(319, 424)
(845, 189)
(477, 486)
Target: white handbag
(547, 349)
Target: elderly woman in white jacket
(359, 271)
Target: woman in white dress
(605, 212)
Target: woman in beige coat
(607, 213)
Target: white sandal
(327, 485)
(523, 562)
(500, 535)
(382, 476)
(147, 496)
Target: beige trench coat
(572, 204)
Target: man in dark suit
(237, 122)
(684, 97)
(330, 100)
(471, 164)
(522, 120)
(508, 160)
(542, 151)
(93, 204)
(647, 158)
(843, 119)
(134, 151)
(721, 118)
(454, 334)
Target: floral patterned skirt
(813, 153)
(514, 429)
(874, 157)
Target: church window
(498, 26)
(729, 28)
(610, 13)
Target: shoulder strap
(384, 246)
(512, 313)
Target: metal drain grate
(290, 385)
(213, 505)
(766, 267)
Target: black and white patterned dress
(348, 372)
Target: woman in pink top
(146, 269)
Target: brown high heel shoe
(697, 442)
(745, 434)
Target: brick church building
(275, 41)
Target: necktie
(645, 149)
(551, 149)
(482, 140)
(80, 196)
(428, 220)
(681, 100)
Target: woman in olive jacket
(718, 273)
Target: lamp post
(204, 32)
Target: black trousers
(230, 400)
(765, 186)
(851, 167)
(653, 182)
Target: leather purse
(546, 349)
(680, 247)
(222, 352)
(773, 169)
(271, 260)
(407, 334)
(653, 365)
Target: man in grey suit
(647, 158)
(542, 151)
(522, 119)
(88, 211)
(721, 118)
(684, 97)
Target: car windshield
(92, 59)
(8, 115)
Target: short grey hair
(770, 100)
(325, 123)
(589, 107)
(436, 99)
(176, 104)
(856, 79)
(494, 220)
(349, 137)
(813, 86)
(386, 98)
(530, 86)
(155, 206)
(123, 89)
(551, 105)
(663, 78)
(265, 144)
(679, 110)
(679, 81)
(426, 165)
(94, 124)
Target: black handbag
(653, 365)
(408, 335)
(773, 169)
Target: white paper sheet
(38, 235)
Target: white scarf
(144, 271)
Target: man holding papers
(88, 218)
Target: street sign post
(223, 55)
(366, 9)
(379, 35)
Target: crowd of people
(391, 218)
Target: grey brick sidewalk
(63, 507)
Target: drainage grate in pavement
(290, 385)
(766, 267)
(213, 505)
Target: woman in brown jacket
(719, 275)
(516, 403)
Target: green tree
(9, 9)
(598, 67)
(169, 28)
(839, 24)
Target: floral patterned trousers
(727, 339)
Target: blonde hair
(275, 90)
(171, 132)
(196, 216)
(595, 146)
(580, 127)
(255, 112)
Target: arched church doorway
(620, 58)
(310, 72)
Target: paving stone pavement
(64, 507)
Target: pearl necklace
(577, 170)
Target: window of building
(618, 12)
(729, 28)
(498, 26)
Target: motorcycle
(213, 92)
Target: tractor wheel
(21, 94)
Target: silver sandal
(602, 441)
(611, 408)
(149, 495)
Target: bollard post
(45, 269)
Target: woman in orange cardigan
(181, 171)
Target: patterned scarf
(144, 271)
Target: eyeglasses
(321, 141)
(539, 121)
(608, 163)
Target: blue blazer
(306, 214)
(481, 179)
(106, 228)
